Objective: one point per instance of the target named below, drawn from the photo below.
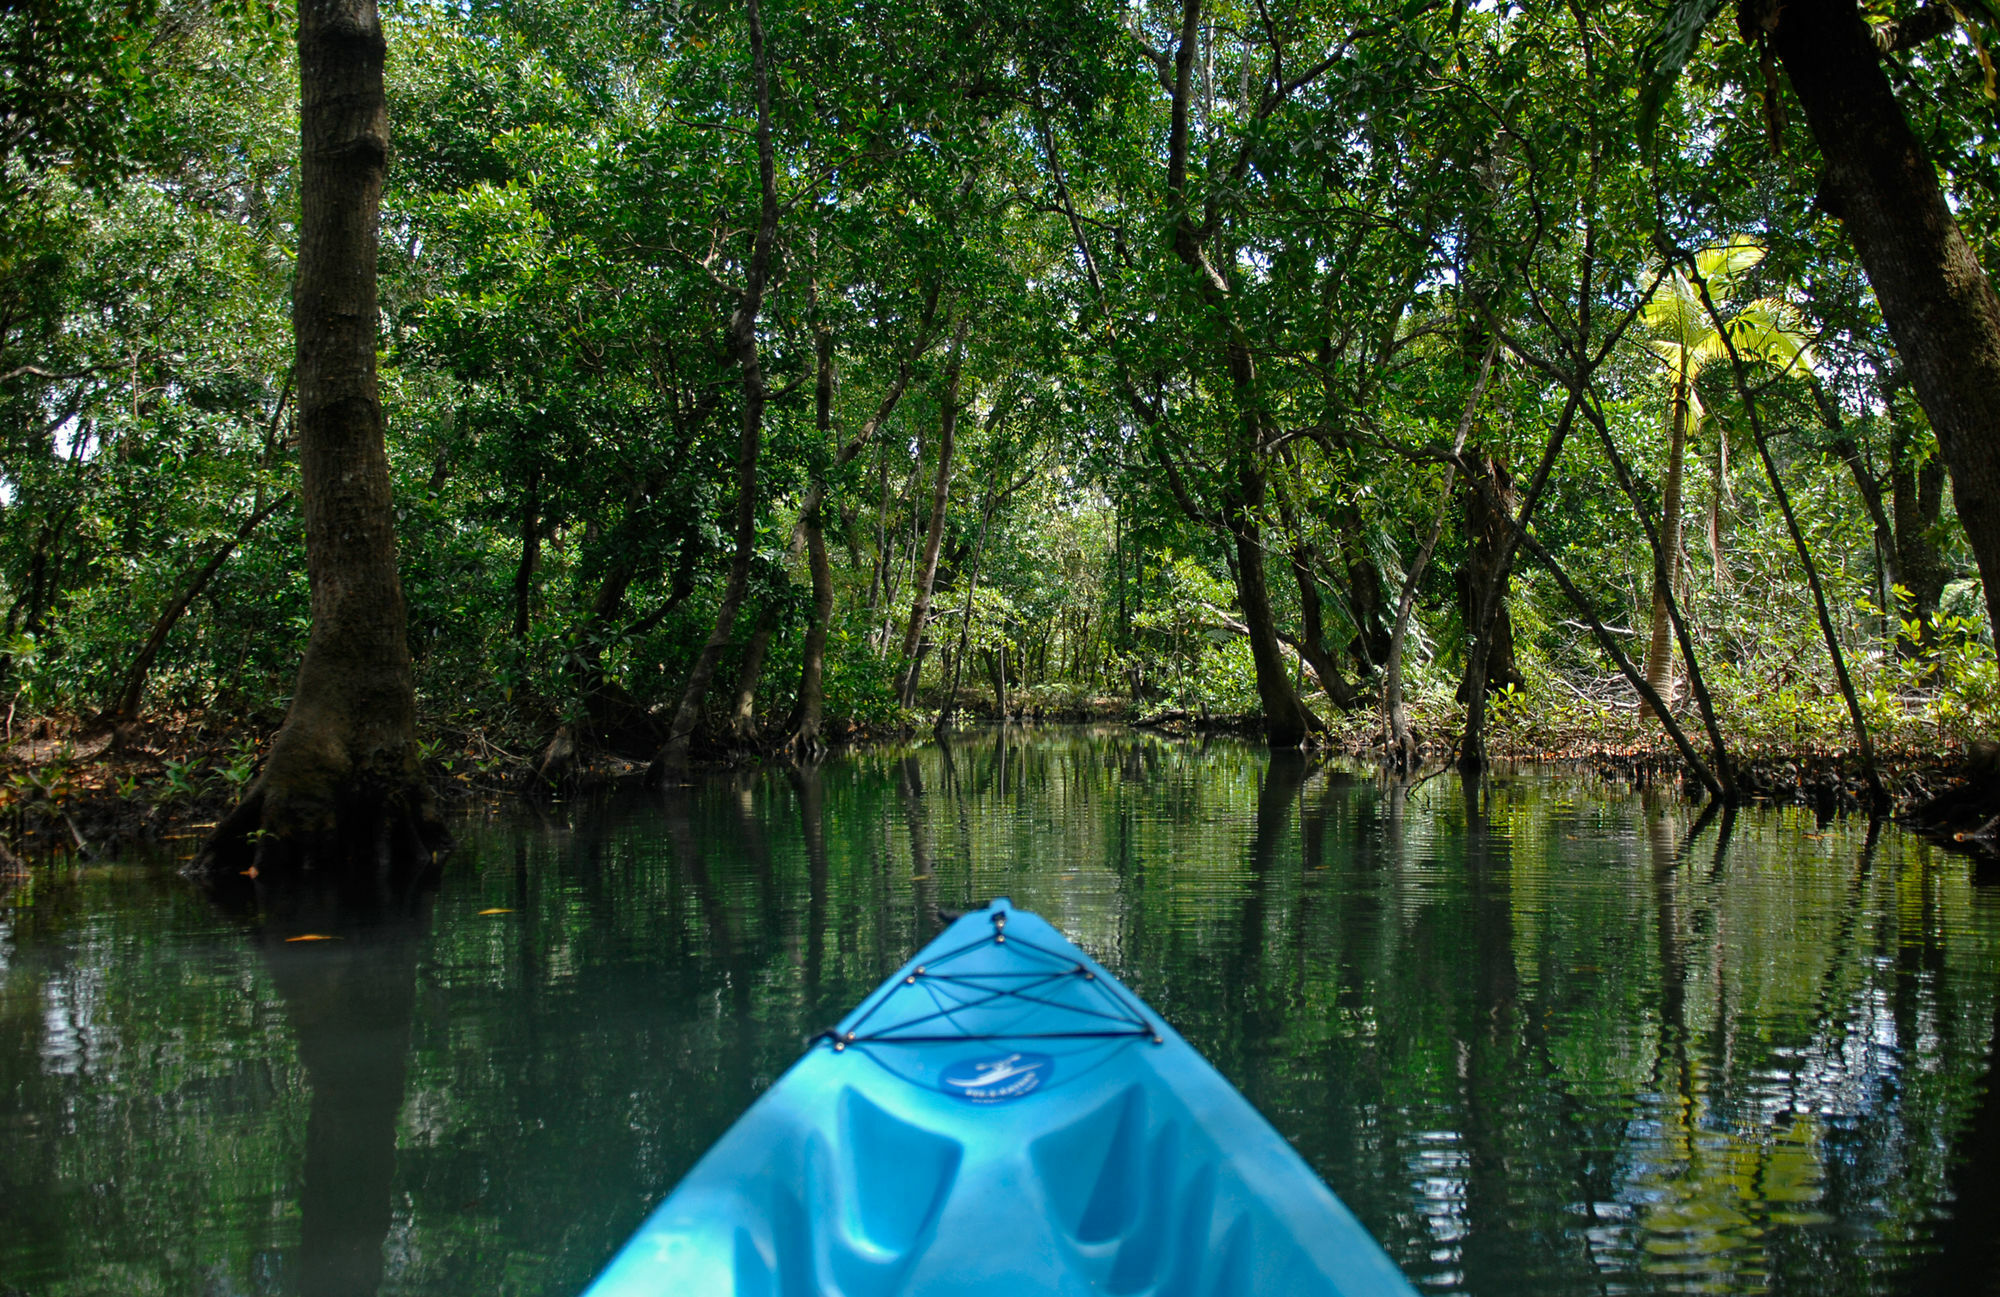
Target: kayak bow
(1001, 1117)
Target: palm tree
(1684, 338)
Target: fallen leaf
(496, 911)
(312, 936)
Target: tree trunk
(1916, 499)
(1490, 665)
(1938, 303)
(996, 665)
(1667, 569)
(926, 574)
(531, 553)
(809, 708)
(343, 778)
(1497, 511)
(965, 620)
(1369, 648)
(743, 344)
(1403, 750)
(1311, 643)
(1287, 720)
(743, 712)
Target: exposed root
(315, 806)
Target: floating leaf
(312, 936)
(496, 910)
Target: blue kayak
(1001, 1119)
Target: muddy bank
(90, 792)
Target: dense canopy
(1344, 364)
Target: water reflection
(345, 968)
(1542, 1040)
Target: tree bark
(743, 345)
(1937, 301)
(1482, 599)
(803, 726)
(1487, 605)
(965, 620)
(343, 782)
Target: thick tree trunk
(996, 672)
(1667, 565)
(743, 345)
(1404, 752)
(1497, 511)
(1937, 301)
(965, 618)
(802, 727)
(926, 574)
(343, 778)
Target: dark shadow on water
(343, 957)
(1967, 1242)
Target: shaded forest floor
(72, 788)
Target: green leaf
(1662, 55)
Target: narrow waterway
(1543, 1036)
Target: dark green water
(1544, 1038)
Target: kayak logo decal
(999, 1079)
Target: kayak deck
(1001, 1117)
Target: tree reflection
(344, 961)
(1542, 1039)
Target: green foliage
(564, 244)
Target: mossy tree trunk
(342, 787)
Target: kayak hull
(1082, 1148)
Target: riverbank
(92, 791)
